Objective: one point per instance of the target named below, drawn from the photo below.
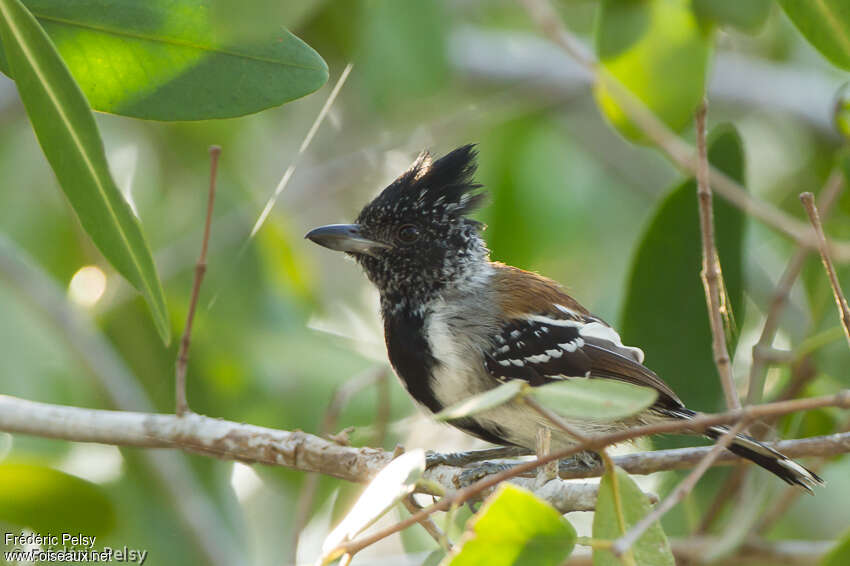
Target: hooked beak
(344, 238)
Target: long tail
(761, 454)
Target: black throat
(414, 363)
(410, 354)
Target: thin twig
(304, 145)
(287, 175)
(680, 152)
(200, 270)
(808, 201)
(828, 197)
(626, 541)
(428, 524)
(712, 275)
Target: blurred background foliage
(282, 324)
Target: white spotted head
(416, 237)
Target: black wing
(541, 349)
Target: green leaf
(598, 399)
(840, 553)
(67, 132)
(748, 15)
(47, 500)
(515, 528)
(396, 481)
(652, 548)
(664, 310)
(825, 24)
(658, 51)
(841, 115)
(173, 60)
(482, 402)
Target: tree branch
(828, 197)
(808, 200)
(712, 275)
(182, 406)
(309, 453)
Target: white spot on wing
(538, 359)
(504, 363)
(517, 363)
(601, 331)
(637, 353)
(554, 353)
(554, 321)
(572, 346)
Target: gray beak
(344, 238)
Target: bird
(457, 324)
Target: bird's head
(416, 237)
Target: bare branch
(429, 525)
(309, 453)
(828, 197)
(808, 201)
(200, 270)
(712, 275)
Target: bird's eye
(408, 233)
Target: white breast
(459, 373)
(458, 329)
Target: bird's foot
(461, 459)
(472, 475)
(579, 464)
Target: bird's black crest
(443, 186)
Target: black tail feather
(760, 454)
